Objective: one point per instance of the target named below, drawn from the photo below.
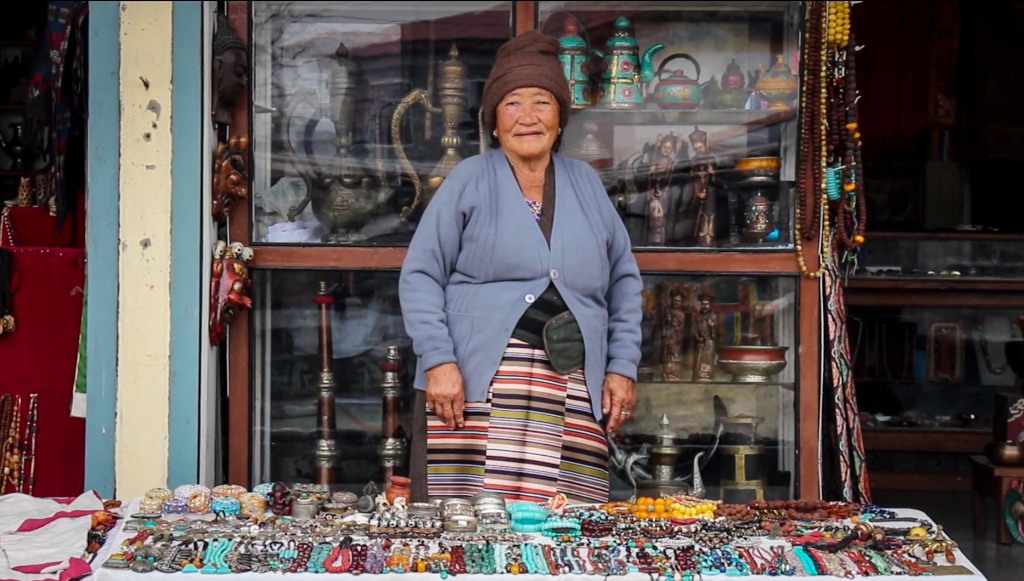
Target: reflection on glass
(705, 412)
(360, 112)
(690, 68)
(365, 321)
(697, 332)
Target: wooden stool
(989, 480)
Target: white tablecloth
(114, 541)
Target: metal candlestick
(326, 428)
(392, 446)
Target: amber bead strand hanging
(813, 144)
(853, 178)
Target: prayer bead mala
(812, 145)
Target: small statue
(230, 179)
(659, 175)
(229, 285)
(707, 340)
(26, 195)
(672, 333)
(281, 499)
(230, 71)
(703, 177)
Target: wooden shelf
(934, 292)
(924, 440)
(655, 116)
(943, 440)
(301, 256)
(939, 481)
(952, 236)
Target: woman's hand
(446, 394)
(618, 396)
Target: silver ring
(623, 414)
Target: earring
(559, 130)
(494, 133)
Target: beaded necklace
(850, 205)
(28, 459)
(12, 452)
(845, 177)
(813, 144)
(6, 419)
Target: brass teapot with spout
(451, 89)
(345, 196)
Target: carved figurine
(230, 179)
(672, 331)
(662, 168)
(230, 71)
(26, 195)
(281, 499)
(703, 177)
(707, 339)
(229, 285)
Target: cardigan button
(554, 273)
(529, 298)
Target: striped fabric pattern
(535, 437)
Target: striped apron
(535, 436)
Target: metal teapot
(626, 70)
(574, 54)
(345, 196)
(675, 90)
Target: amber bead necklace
(845, 179)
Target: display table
(991, 481)
(116, 538)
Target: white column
(144, 248)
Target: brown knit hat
(527, 60)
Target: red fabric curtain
(40, 356)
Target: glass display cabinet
(687, 111)
(935, 332)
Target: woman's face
(527, 123)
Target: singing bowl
(1005, 453)
(752, 353)
(751, 363)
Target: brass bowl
(751, 353)
(751, 371)
(1005, 454)
(759, 169)
(751, 363)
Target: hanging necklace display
(896, 345)
(945, 352)
(990, 336)
(811, 159)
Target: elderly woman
(523, 301)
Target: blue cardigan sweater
(478, 259)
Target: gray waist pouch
(563, 342)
